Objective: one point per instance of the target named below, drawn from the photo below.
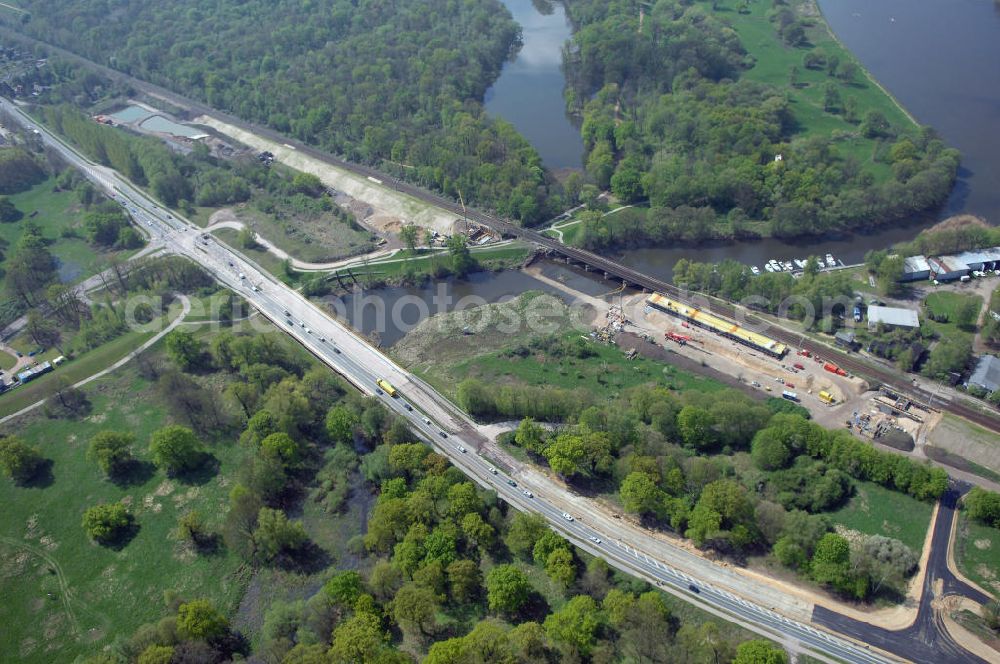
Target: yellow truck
(386, 387)
(826, 397)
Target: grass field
(64, 595)
(571, 234)
(56, 212)
(444, 356)
(875, 510)
(311, 237)
(774, 63)
(606, 375)
(947, 304)
(977, 553)
(79, 368)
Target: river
(941, 60)
(938, 57)
(529, 91)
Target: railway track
(610, 267)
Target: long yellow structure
(718, 325)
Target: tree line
(736, 476)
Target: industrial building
(950, 268)
(718, 325)
(985, 259)
(892, 317)
(947, 268)
(916, 268)
(987, 373)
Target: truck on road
(386, 387)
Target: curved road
(926, 641)
(612, 268)
(348, 354)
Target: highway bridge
(697, 581)
(612, 269)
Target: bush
(107, 522)
(984, 506)
(20, 462)
(176, 449)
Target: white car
(528, 493)
(595, 540)
(567, 516)
(493, 470)
(427, 421)
(461, 449)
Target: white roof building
(894, 316)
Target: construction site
(890, 419)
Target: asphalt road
(926, 641)
(881, 374)
(348, 354)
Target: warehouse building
(947, 268)
(985, 259)
(916, 268)
(892, 317)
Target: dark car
(693, 588)
(512, 482)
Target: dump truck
(826, 397)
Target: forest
(396, 84)
(736, 476)
(673, 113)
(442, 572)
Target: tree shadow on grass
(535, 609)
(311, 558)
(208, 544)
(133, 472)
(122, 536)
(42, 478)
(205, 470)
